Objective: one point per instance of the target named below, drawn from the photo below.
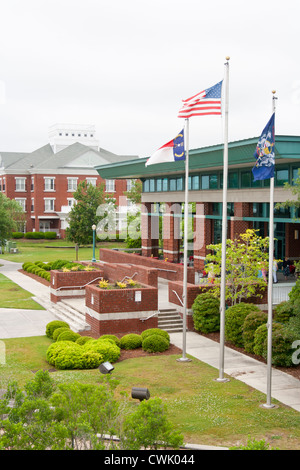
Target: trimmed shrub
(294, 295)
(17, 234)
(155, 343)
(206, 313)
(50, 327)
(58, 331)
(251, 323)
(69, 355)
(108, 350)
(131, 341)
(282, 351)
(284, 311)
(234, 321)
(68, 335)
(83, 339)
(261, 335)
(113, 337)
(155, 331)
(58, 264)
(49, 235)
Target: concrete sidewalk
(20, 323)
(285, 388)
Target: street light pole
(94, 241)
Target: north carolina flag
(170, 152)
(206, 102)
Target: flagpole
(186, 204)
(270, 285)
(224, 231)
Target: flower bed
(67, 283)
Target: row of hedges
(42, 269)
(38, 268)
(70, 350)
(35, 235)
(246, 325)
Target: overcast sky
(125, 66)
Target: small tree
(11, 215)
(245, 257)
(83, 214)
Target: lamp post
(94, 241)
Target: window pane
(195, 182)
(233, 180)
(282, 176)
(152, 185)
(205, 182)
(165, 184)
(295, 174)
(246, 179)
(146, 186)
(172, 184)
(213, 181)
(179, 184)
(158, 185)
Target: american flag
(206, 102)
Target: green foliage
(17, 235)
(253, 444)
(131, 341)
(39, 235)
(58, 331)
(282, 350)
(70, 355)
(261, 336)
(294, 295)
(155, 331)
(107, 348)
(148, 427)
(234, 322)
(206, 313)
(11, 213)
(251, 323)
(82, 340)
(51, 326)
(68, 335)
(284, 311)
(113, 337)
(155, 343)
(83, 213)
(245, 257)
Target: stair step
(169, 320)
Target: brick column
(202, 234)
(237, 224)
(171, 231)
(149, 230)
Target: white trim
(120, 315)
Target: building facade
(44, 181)
(248, 201)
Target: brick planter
(71, 284)
(121, 311)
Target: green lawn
(13, 296)
(51, 250)
(205, 411)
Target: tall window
(49, 204)
(92, 181)
(20, 184)
(72, 184)
(49, 184)
(110, 186)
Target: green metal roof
(239, 152)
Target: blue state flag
(265, 153)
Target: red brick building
(44, 181)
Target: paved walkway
(21, 323)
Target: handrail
(168, 270)
(128, 277)
(76, 287)
(150, 316)
(178, 297)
